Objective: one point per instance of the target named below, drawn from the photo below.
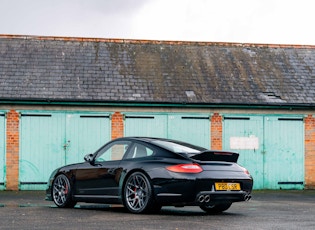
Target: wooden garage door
(51, 140)
(244, 134)
(270, 147)
(192, 128)
(284, 152)
(146, 125)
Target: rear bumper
(199, 192)
(213, 197)
(203, 198)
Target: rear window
(178, 147)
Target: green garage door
(50, 140)
(193, 128)
(244, 134)
(284, 153)
(270, 147)
(85, 133)
(2, 151)
(146, 125)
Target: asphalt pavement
(268, 209)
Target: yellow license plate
(227, 186)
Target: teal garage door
(284, 153)
(50, 140)
(270, 147)
(148, 125)
(244, 134)
(193, 128)
(2, 151)
(85, 133)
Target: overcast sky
(243, 21)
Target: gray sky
(244, 21)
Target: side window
(139, 151)
(113, 152)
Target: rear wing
(216, 156)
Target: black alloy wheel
(137, 194)
(216, 208)
(61, 192)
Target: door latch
(66, 145)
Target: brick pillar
(12, 155)
(310, 152)
(216, 132)
(117, 125)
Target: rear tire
(216, 208)
(62, 192)
(138, 194)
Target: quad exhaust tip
(204, 198)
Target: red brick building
(61, 98)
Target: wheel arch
(69, 175)
(125, 177)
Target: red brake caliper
(66, 189)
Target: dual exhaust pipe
(205, 198)
(247, 197)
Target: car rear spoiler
(216, 156)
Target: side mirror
(89, 158)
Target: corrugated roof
(78, 69)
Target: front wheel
(138, 194)
(61, 192)
(216, 208)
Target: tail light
(245, 170)
(185, 168)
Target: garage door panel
(85, 134)
(244, 134)
(270, 147)
(194, 129)
(146, 125)
(51, 140)
(284, 155)
(41, 150)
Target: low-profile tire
(61, 192)
(138, 194)
(216, 208)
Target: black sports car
(145, 174)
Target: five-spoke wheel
(61, 192)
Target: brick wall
(310, 152)
(117, 130)
(117, 125)
(12, 155)
(216, 132)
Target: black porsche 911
(145, 174)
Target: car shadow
(167, 211)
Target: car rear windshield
(178, 147)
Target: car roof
(152, 139)
(147, 139)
